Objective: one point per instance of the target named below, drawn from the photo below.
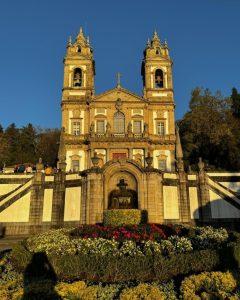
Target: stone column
(154, 192)
(36, 200)
(184, 204)
(130, 153)
(107, 155)
(58, 200)
(94, 205)
(83, 218)
(94, 193)
(205, 209)
(154, 197)
(172, 157)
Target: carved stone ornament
(129, 128)
(118, 104)
(95, 160)
(201, 165)
(149, 160)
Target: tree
(235, 97)
(47, 145)
(210, 131)
(27, 144)
(3, 148)
(12, 135)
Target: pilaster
(58, 200)
(36, 202)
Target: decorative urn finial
(95, 160)
(149, 160)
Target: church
(118, 123)
(117, 150)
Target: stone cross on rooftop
(119, 79)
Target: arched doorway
(130, 176)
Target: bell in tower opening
(159, 78)
(77, 78)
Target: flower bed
(85, 291)
(154, 232)
(110, 260)
(74, 255)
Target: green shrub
(143, 291)
(127, 266)
(235, 251)
(185, 263)
(213, 285)
(103, 268)
(119, 217)
(138, 267)
(45, 289)
(209, 238)
(20, 257)
(52, 241)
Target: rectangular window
(160, 128)
(76, 127)
(75, 166)
(162, 164)
(100, 126)
(100, 111)
(137, 111)
(119, 155)
(137, 127)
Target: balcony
(119, 137)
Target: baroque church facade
(118, 124)
(123, 151)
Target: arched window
(119, 122)
(79, 49)
(77, 77)
(159, 78)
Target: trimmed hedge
(120, 217)
(109, 268)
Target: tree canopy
(211, 130)
(27, 144)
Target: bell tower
(79, 69)
(157, 70)
(77, 93)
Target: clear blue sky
(203, 36)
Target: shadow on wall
(203, 216)
(40, 270)
(2, 231)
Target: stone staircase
(10, 198)
(230, 196)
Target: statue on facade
(91, 129)
(129, 128)
(201, 165)
(145, 129)
(108, 128)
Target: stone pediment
(118, 93)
